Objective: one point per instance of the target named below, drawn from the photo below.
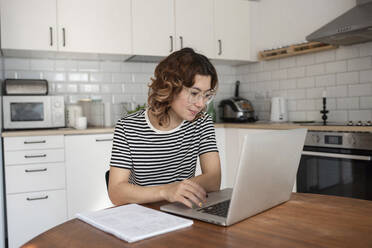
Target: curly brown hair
(171, 74)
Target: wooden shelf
(293, 50)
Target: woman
(155, 151)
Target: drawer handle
(101, 140)
(34, 142)
(36, 156)
(37, 198)
(36, 170)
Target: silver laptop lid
(266, 172)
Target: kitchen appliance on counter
(236, 109)
(279, 111)
(336, 163)
(28, 107)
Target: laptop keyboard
(219, 209)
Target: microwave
(32, 112)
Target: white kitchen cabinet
(194, 25)
(163, 26)
(233, 25)
(87, 160)
(84, 26)
(35, 186)
(94, 26)
(153, 27)
(29, 24)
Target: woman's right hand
(186, 192)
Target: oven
(336, 163)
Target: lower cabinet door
(31, 214)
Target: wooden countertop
(256, 125)
(306, 221)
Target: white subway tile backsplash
(72, 88)
(256, 67)
(363, 63)
(77, 77)
(279, 74)
(292, 105)
(347, 78)
(348, 103)
(360, 90)
(337, 116)
(122, 78)
(98, 77)
(287, 62)
(30, 75)
(66, 65)
(313, 116)
(88, 66)
(326, 56)
(314, 70)
(330, 104)
(131, 67)
(314, 93)
(149, 68)
(366, 102)
(366, 76)
(270, 65)
(296, 72)
(366, 49)
(55, 76)
(110, 66)
(296, 94)
(338, 91)
(326, 80)
(297, 116)
(42, 65)
(305, 105)
(347, 52)
(338, 66)
(308, 82)
(307, 59)
(287, 84)
(16, 64)
(263, 76)
(360, 115)
(89, 88)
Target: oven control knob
(315, 138)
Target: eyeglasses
(194, 95)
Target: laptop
(265, 177)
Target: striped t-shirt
(159, 157)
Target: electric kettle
(279, 111)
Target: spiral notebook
(133, 222)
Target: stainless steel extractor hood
(354, 26)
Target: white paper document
(133, 222)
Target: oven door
(22, 112)
(335, 171)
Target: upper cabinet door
(95, 26)
(194, 25)
(28, 24)
(153, 27)
(232, 30)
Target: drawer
(30, 214)
(35, 177)
(33, 142)
(34, 156)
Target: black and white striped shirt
(160, 157)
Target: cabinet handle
(37, 198)
(171, 43)
(64, 36)
(34, 142)
(36, 156)
(219, 47)
(51, 35)
(101, 140)
(36, 170)
(181, 41)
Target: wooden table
(307, 220)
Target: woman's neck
(174, 121)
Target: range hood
(354, 26)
